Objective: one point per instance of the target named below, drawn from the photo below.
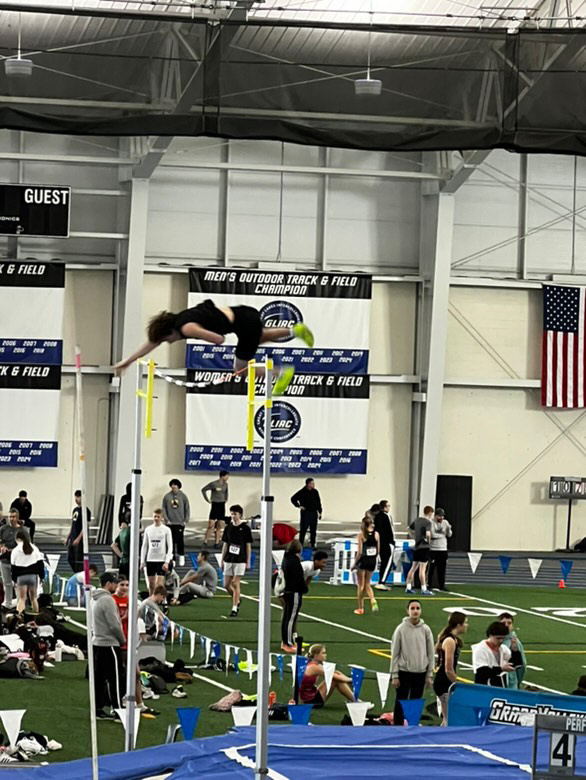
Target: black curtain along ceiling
(442, 88)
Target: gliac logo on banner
(280, 314)
(285, 422)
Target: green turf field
(550, 622)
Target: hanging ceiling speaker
(368, 86)
(18, 67)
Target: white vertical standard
(438, 276)
(86, 566)
(264, 589)
(130, 698)
(130, 280)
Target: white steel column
(131, 333)
(436, 254)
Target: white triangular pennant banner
(474, 559)
(122, 715)
(534, 565)
(228, 649)
(172, 628)
(383, 679)
(293, 665)
(219, 560)
(52, 563)
(249, 663)
(329, 669)
(191, 643)
(12, 720)
(208, 649)
(278, 557)
(357, 711)
(243, 715)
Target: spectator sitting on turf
(514, 679)
(200, 584)
(310, 692)
(581, 689)
(150, 611)
(491, 659)
(75, 587)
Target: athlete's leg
(359, 588)
(274, 334)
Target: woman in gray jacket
(412, 659)
(441, 531)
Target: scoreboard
(567, 487)
(34, 210)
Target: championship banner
(335, 306)
(31, 349)
(319, 426)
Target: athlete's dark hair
(412, 601)
(160, 590)
(308, 480)
(161, 326)
(375, 509)
(26, 541)
(506, 616)
(77, 494)
(13, 511)
(204, 554)
(383, 503)
(237, 508)
(294, 546)
(497, 629)
(365, 524)
(223, 473)
(22, 494)
(320, 555)
(177, 482)
(455, 619)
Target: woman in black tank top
(447, 650)
(365, 563)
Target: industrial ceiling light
(18, 67)
(368, 86)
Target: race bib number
(155, 544)
(234, 549)
(371, 551)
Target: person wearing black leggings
(295, 587)
(412, 659)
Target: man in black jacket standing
(309, 502)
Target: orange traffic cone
(562, 584)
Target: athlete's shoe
(427, 593)
(359, 612)
(409, 589)
(302, 332)
(283, 380)
(148, 712)
(374, 605)
(178, 692)
(288, 648)
(381, 587)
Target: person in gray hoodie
(107, 640)
(441, 531)
(176, 513)
(412, 659)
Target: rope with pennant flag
(534, 564)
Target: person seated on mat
(200, 584)
(309, 690)
(211, 323)
(491, 659)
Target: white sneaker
(182, 560)
(409, 589)
(179, 693)
(52, 744)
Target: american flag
(563, 367)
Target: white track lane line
(520, 609)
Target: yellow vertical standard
(251, 390)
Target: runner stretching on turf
(211, 323)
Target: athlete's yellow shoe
(302, 332)
(283, 380)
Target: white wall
(503, 437)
